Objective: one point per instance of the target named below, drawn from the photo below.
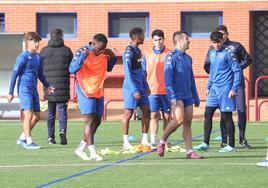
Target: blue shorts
(159, 102)
(89, 105)
(221, 100)
(187, 102)
(29, 101)
(131, 103)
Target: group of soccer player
(157, 80)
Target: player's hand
(84, 51)
(50, 90)
(109, 52)
(10, 98)
(231, 94)
(137, 95)
(207, 92)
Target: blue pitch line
(92, 170)
(108, 165)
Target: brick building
(247, 22)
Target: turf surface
(57, 166)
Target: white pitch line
(123, 164)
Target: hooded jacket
(56, 60)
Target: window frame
(2, 15)
(113, 15)
(196, 34)
(53, 14)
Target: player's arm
(127, 59)
(234, 63)
(78, 60)
(112, 59)
(144, 69)
(207, 61)
(169, 76)
(210, 81)
(18, 67)
(194, 90)
(244, 57)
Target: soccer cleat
(161, 149)
(127, 146)
(194, 155)
(201, 147)
(63, 139)
(223, 145)
(51, 141)
(32, 146)
(244, 143)
(227, 149)
(263, 163)
(153, 146)
(21, 142)
(81, 154)
(96, 157)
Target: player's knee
(179, 120)
(128, 115)
(187, 121)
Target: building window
(2, 22)
(200, 24)
(120, 24)
(65, 21)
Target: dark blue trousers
(242, 117)
(62, 113)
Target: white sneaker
(127, 146)
(82, 155)
(96, 157)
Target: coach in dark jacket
(56, 60)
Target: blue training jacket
(225, 72)
(135, 78)
(28, 68)
(241, 53)
(179, 77)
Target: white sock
(153, 138)
(267, 155)
(82, 146)
(125, 139)
(92, 150)
(144, 138)
(22, 136)
(29, 140)
(162, 142)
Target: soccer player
(223, 82)
(57, 58)
(182, 93)
(153, 64)
(135, 87)
(244, 61)
(90, 64)
(29, 68)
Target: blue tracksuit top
(179, 77)
(135, 78)
(225, 72)
(28, 68)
